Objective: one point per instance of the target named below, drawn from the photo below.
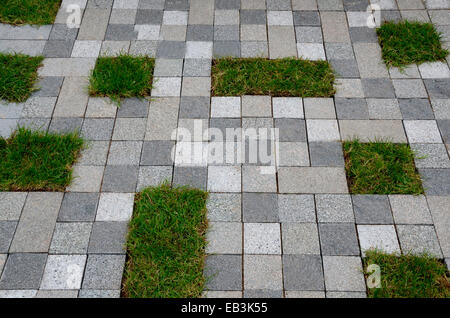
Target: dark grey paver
(291, 129)
(199, 32)
(260, 207)
(103, 272)
(78, 207)
(415, 108)
(7, 229)
(190, 176)
(171, 49)
(120, 178)
(157, 153)
(327, 154)
(223, 272)
(351, 108)
(23, 271)
(108, 238)
(436, 181)
(338, 239)
(303, 272)
(372, 209)
(133, 107)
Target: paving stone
(101, 108)
(98, 293)
(48, 86)
(108, 238)
(197, 67)
(195, 177)
(147, 31)
(23, 293)
(415, 15)
(194, 107)
(327, 154)
(153, 176)
(225, 107)
(224, 178)
(444, 127)
(148, 17)
(129, 129)
(191, 154)
(435, 181)
(39, 107)
(11, 204)
(262, 238)
(143, 48)
(56, 294)
(263, 272)
(78, 207)
(95, 154)
(334, 208)
(422, 131)
(120, 179)
(409, 209)
(350, 88)
(70, 238)
(343, 273)
(372, 209)
(65, 125)
(121, 32)
(311, 18)
(258, 179)
(430, 156)
(355, 5)
(383, 108)
(304, 294)
(7, 126)
(409, 88)
(254, 49)
(23, 271)
(2, 261)
(330, 5)
(226, 32)
(292, 154)
(339, 51)
(58, 48)
(124, 153)
(322, 130)
(86, 48)
(300, 238)
(73, 99)
(171, 49)
(363, 35)
(253, 4)
(7, 229)
(378, 88)
(196, 86)
(312, 180)
(25, 32)
(66, 67)
(253, 16)
(10, 110)
(166, 86)
(35, 228)
(291, 129)
(133, 107)
(222, 294)
(224, 238)
(168, 67)
(123, 16)
(157, 153)
(86, 179)
(224, 207)
(338, 239)
(201, 33)
(334, 26)
(441, 108)
(346, 295)
(415, 108)
(40, 124)
(173, 32)
(369, 130)
(260, 207)
(419, 239)
(253, 32)
(226, 49)
(311, 51)
(287, 107)
(63, 272)
(63, 32)
(303, 272)
(434, 70)
(263, 293)
(104, 272)
(438, 207)
(409, 71)
(115, 207)
(307, 34)
(95, 24)
(439, 17)
(281, 41)
(380, 237)
(319, 108)
(224, 272)
(150, 4)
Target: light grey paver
(296, 208)
(419, 239)
(380, 237)
(63, 272)
(262, 238)
(334, 208)
(441, 221)
(224, 238)
(70, 238)
(11, 204)
(115, 207)
(409, 209)
(103, 272)
(343, 273)
(369, 130)
(262, 272)
(300, 238)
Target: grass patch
(18, 74)
(32, 161)
(122, 76)
(381, 168)
(406, 43)
(282, 77)
(166, 244)
(408, 276)
(38, 12)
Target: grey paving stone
(254, 49)
(415, 108)
(308, 34)
(143, 48)
(435, 181)
(441, 108)
(224, 238)
(78, 207)
(311, 18)
(351, 108)
(291, 129)
(300, 238)
(328, 154)
(260, 207)
(114, 48)
(57, 294)
(355, 5)
(303, 272)
(39, 107)
(120, 178)
(94, 154)
(345, 68)
(304, 294)
(334, 208)
(124, 153)
(35, 228)
(146, 16)
(63, 125)
(282, 41)
(349, 87)
(262, 293)
(226, 33)
(115, 207)
(378, 88)
(177, 5)
(168, 67)
(196, 86)
(58, 48)
(133, 107)
(197, 67)
(153, 176)
(101, 107)
(227, 4)
(99, 293)
(97, 128)
(86, 179)
(409, 209)
(431, 156)
(40, 124)
(253, 16)
(381, 237)
(63, 272)
(334, 25)
(108, 238)
(23, 271)
(94, 25)
(409, 88)
(262, 272)
(104, 272)
(372, 209)
(129, 129)
(7, 126)
(63, 32)
(7, 229)
(66, 67)
(363, 35)
(11, 204)
(383, 108)
(28, 47)
(171, 49)
(319, 108)
(26, 32)
(338, 239)
(101, 4)
(422, 131)
(369, 130)
(343, 273)
(190, 176)
(157, 153)
(262, 238)
(296, 208)
(224, 272)
(227, 49)
(292, 154)
(49, 86)
(255, 179)
(199, 32)
(224, 207)
(419, 239)
(253, 32)
(224, 178)
(120, 32)
(194, 107)
(151, 4)
(70, 238)
(438, 207)
(444, 128)
(21, 293)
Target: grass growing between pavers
(122, 76)
(166, 244)
(381, 168)
(280, 77)
(37, 161)
(38, 12)
(408, 276)
(18, 74)
(407, 42)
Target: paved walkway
(294, 233)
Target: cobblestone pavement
(295, 233)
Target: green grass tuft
(122, 76)
(282, 77)
(18, 74)
(38, 12)
(408, 276)
(37, 161)
(166, 244)
(381, 168)
(406, 43)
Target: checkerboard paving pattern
(295, 233)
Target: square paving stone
(166, 86)
(97, 129)
(308, 34)
(296, 208)
(120, 32)
(157, 153)
(171, 49)
(200, 32)
(306, 18)
(57, 294)
(63, 272)
(372, 209)
(23, 271)
(345, 68)
(194, 107)
(254, 49)
(153, 176)
(383, 108)
(415, 108)
(226, 49)
(409, 88)
(11, 204)
(253, 32)
(70, 238)
(334, 208)
(168, 67)
(368, 130)
(444, 127)
(224, 238)
(196, 86)
(49, 86)
(303, 272)
(148, 16)
(123, 16)
(253, 16)
(438, 88)
(223, 272)
(436, 181)
(431, 156)
(262, 272)
(319, 108)
(115, 207)
(63, 32)
(95, 154)
(419, 239)
(378, 88)
(58, 48)
(441, 108)
(292, 154)
(262, 238)
(7, 229)
(338, 239)
(291, 129)
(363, 35)
(133, 107)
(225, 107)
(104, 272)
(199, 50)
(226, 17)
(65, 125)
(129, 129)
(410, 209)
(108, 238)
(322, 130)
(226, 32)
(224, 178)
(343, 273)
(434, 70)
(99, 107)
(124, 152)
(86, 179)
(327, 154)
(197, 67)
(120, 179)
(258, 179)
(311, 51)
(78, 207)
(262, 293)
(349, 87)
(86, 48)
(380, 237)
(422, 131)
(190, 176)
(287, 107)
(260, 207)
(224, 207)
(300, 238)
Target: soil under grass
(408, 276)
(37, 161)
(38, 12)
(406, 43)
(381, 168)
(281, 77)
(122, 76)
(166, 244)
(18, 74)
